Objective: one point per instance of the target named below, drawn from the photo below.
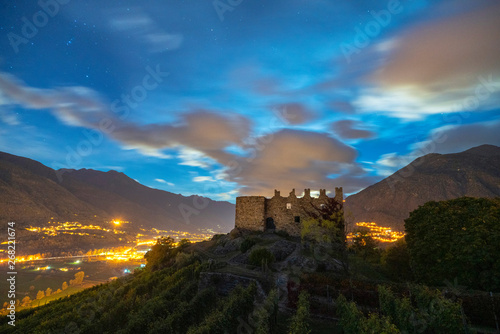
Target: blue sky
(237, 97)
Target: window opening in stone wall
(289, 205)
(297, 219)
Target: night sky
(238, 97)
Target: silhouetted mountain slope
(31, 193)
(474, 173)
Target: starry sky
(237, 97)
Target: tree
(363, 243)
(160, 254)
(64, 286)
(325, 231)
(396, 261)
(428, 311)
(78, 278)
(40, 294)
(48, 292)
(300, 321)
(183, 243)
(26, 301)
(353, 321)
(456, 239)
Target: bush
(353, 321)
(282, 233)
(261, 256)
(247, 244)
(456, 239)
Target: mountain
(31, 193)
(433, 177)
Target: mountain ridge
(33, 193)
(433, 177)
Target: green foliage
(247, 244)
(300, 321)
(138, 303)
(261, 256)
(266, 315)
(323, 230)
(456, 239)
(396, 261)
(364, 245)
(231, 311)
(183, 244)
(164, 253)
(427, 312)
(353, 321)
(399, 310)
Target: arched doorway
(270, 224)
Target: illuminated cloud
(203, 179)
(165, 182)
(439, 67)
(297, 159)
(443, 140)
(293, 113)
(203, 131)
(145, 29)
(346, 129)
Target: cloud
(204, 131)
(452, 50)
(293, 113)
(345, 107)
(9, 118)
(286, 159)
(296, 159)
(443, 140)
(434, 67)
(458, 138)
(165, 182)
(145, 29)
(163, 41)
(76, 106)
(346, 129)
(203, 179)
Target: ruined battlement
(258, 213)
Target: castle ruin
(258, 213)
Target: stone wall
(283, 213)
(250, 212)
(288, 213)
